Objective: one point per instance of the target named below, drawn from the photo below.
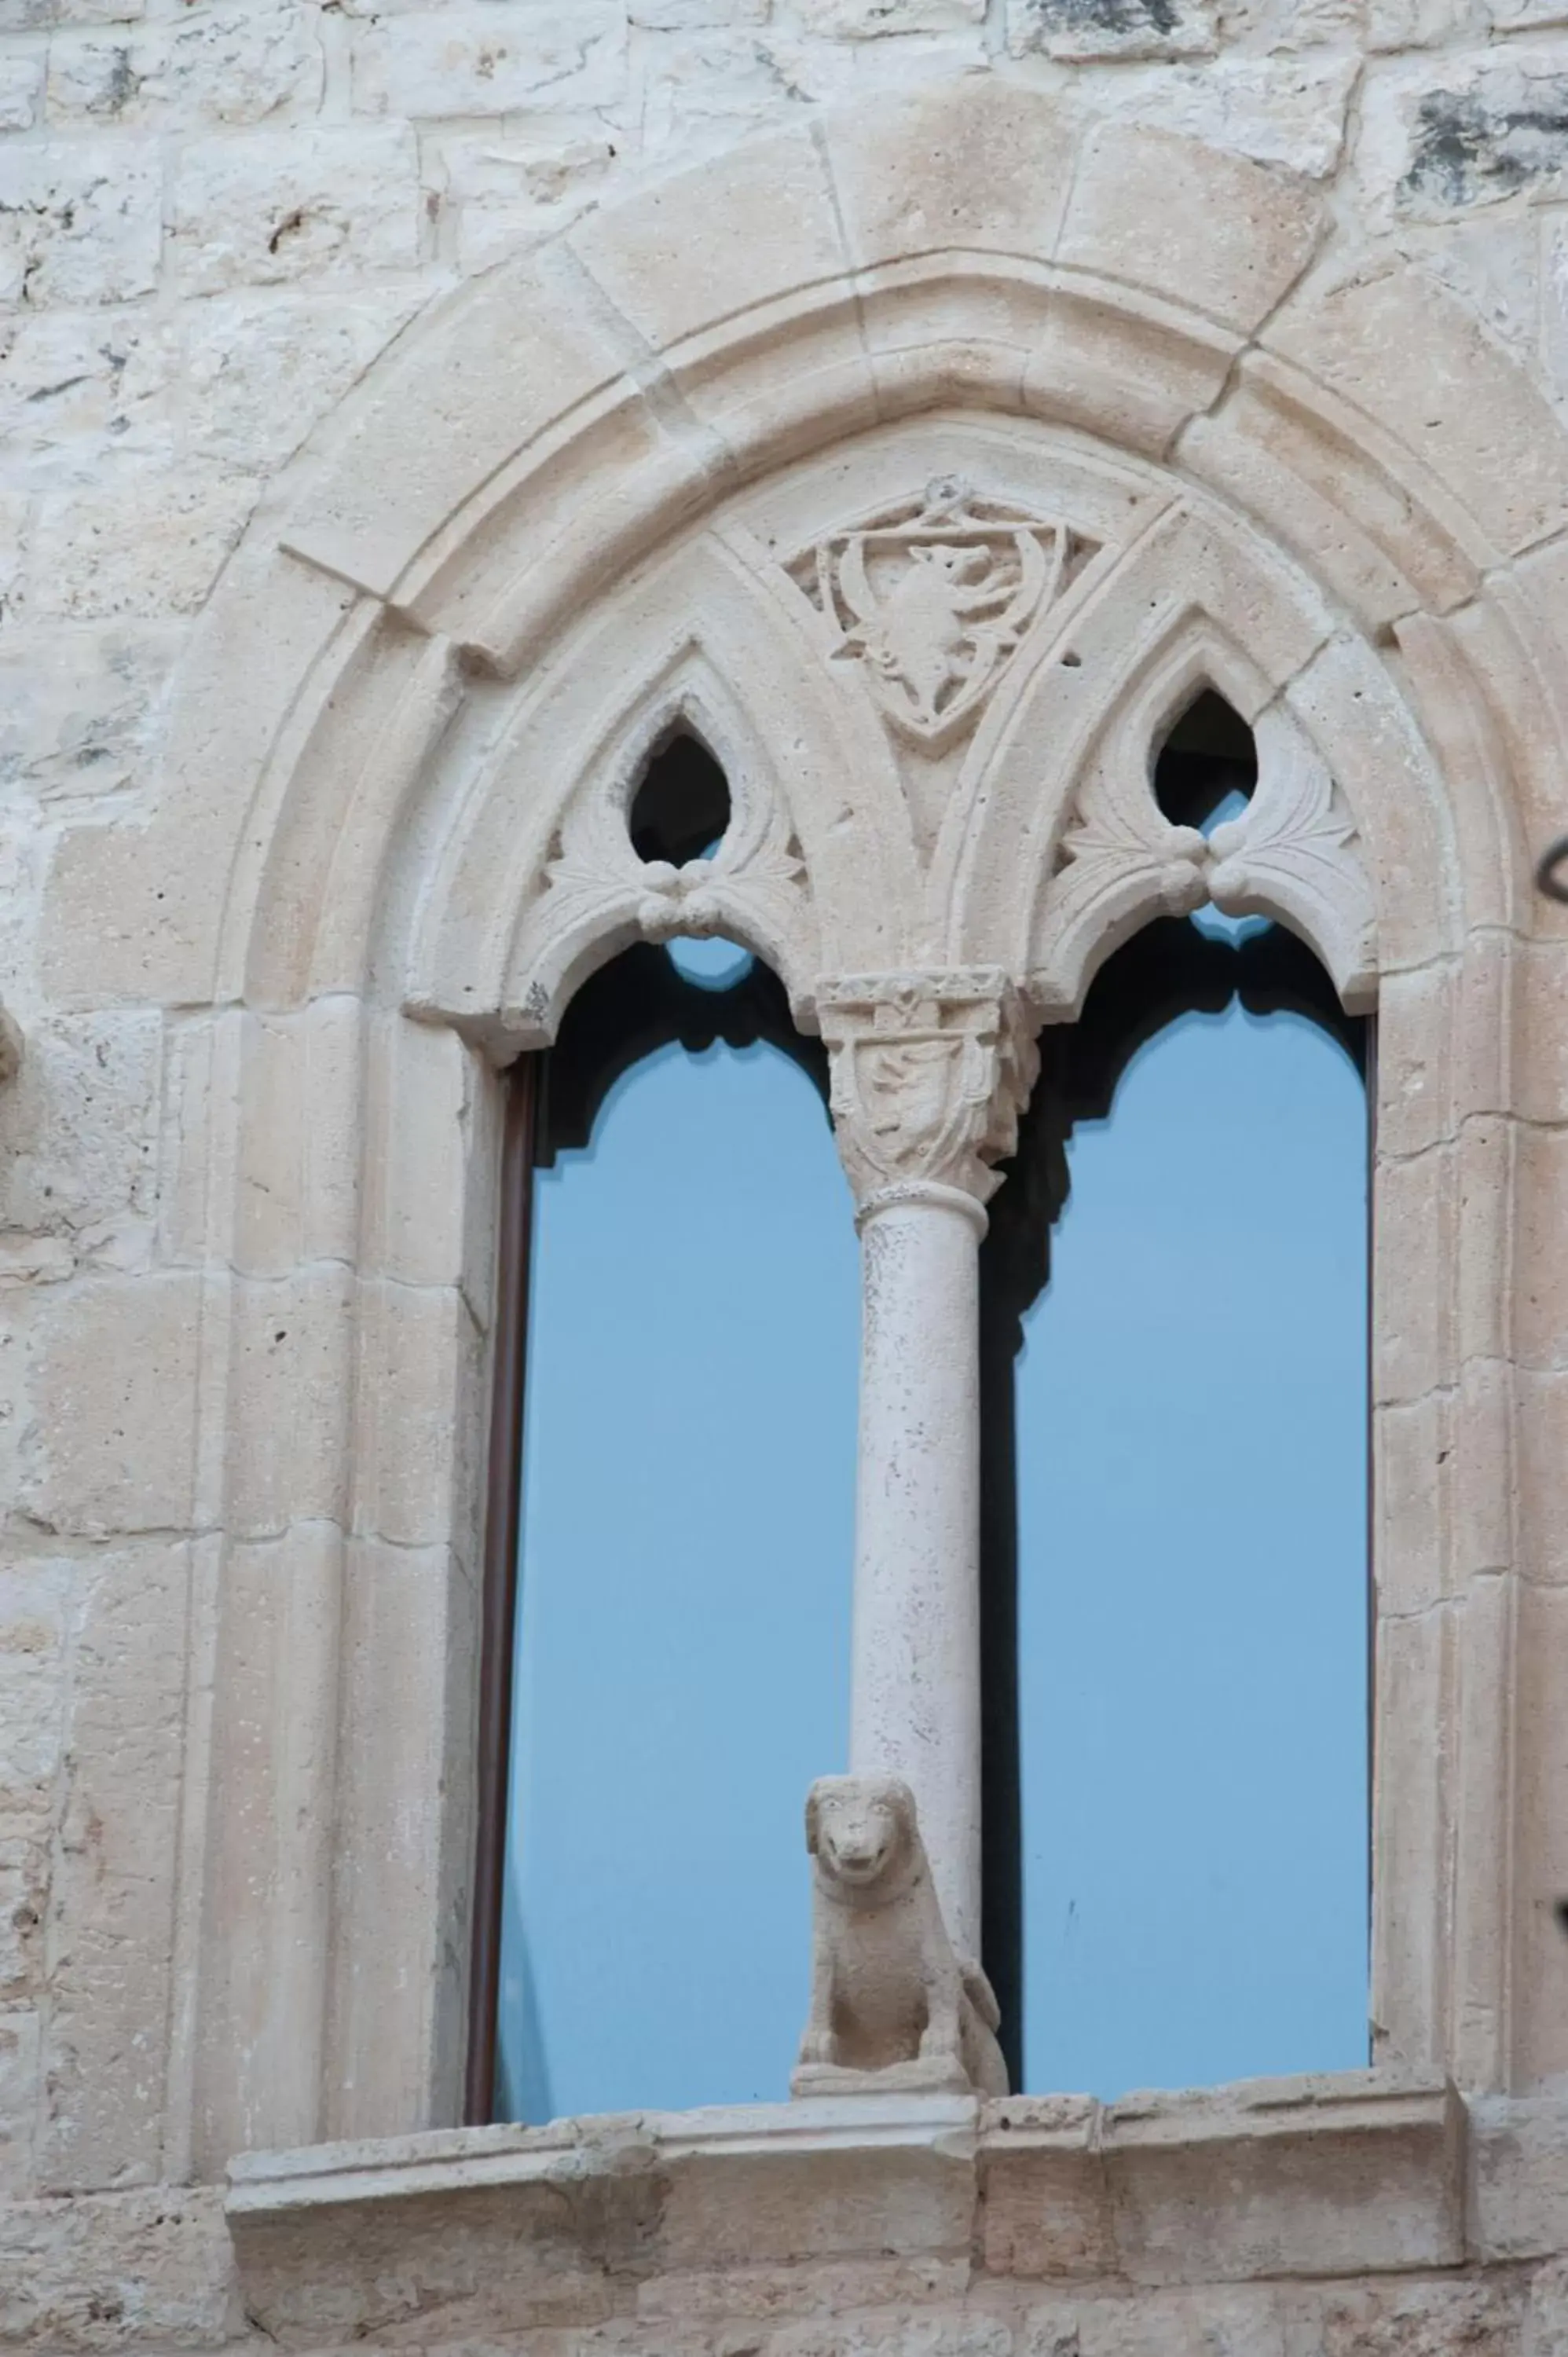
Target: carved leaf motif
(1294, 854)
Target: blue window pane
(1191, 1403)
(684, 1625)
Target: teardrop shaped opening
(1207, 765)
(1205, 774)
(682, 809)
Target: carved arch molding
(926, 463)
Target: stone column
(929, 1073)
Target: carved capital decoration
(930, 1073)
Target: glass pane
(684, 1625)
(1191, 1403)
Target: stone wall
(214, 220)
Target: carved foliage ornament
(932, 599)
(929, 1075)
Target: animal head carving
(861, 1830)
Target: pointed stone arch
(316, 902)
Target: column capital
(930, 1071)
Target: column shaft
(916, 1694)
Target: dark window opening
(682, 806)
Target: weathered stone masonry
(378, 384)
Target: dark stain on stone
(1107, 16)
(1468, 152)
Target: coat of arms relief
(933, 598)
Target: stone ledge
(1355, 2172)
(1359, 2173)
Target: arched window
(1174, 1346)
(683, 1532)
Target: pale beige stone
(144, 545)
(79, 221)
(21, 87)
(260, 370)
(113, 1447)
(111, 1901)
(237, 64)
(275, 206)
(1168, 215)
(484, 61)
(1406, 353)
(863, 20)
(81, 392)
(1290, 112)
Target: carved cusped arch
(568, 511)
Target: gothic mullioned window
(1173, 1491)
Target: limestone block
(702, 247)
(1414, 1214)
(1110, 28)
(82, 389)
(36, 1602)
(134, 909)
(81, 1130)
(1518, 2176)
(19, 2050)
(449, 416)
(1420, 23)
(79, 221)
(1290, 112)
(1541, 1403)
(1546, 2324)
(1475, 130)
(41, 15)
(1414, 1483)
(867, 20)
(423, 1081)
(1420, 2318)
(297, 1197)
(1540, 1244)
(293, 1346)
(238, 64)
(1169, 215)
(1408, 354)
(24, 1897)
(115, 1391)
(1356, 2171)
(145, 544)
(111, 1911)
(21, 87)
(275, 206)
(1046, 2203)
(490, 2229)
(150, 2268)
(998, 159)
(694, 15)
(419, 1386)
(403, 1794)
(506, 192)
(484, 61)
(1275, 24)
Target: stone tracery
(431, 719)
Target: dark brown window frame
(498, 1610)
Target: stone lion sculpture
(892, 2005)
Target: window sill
(877, 2197)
